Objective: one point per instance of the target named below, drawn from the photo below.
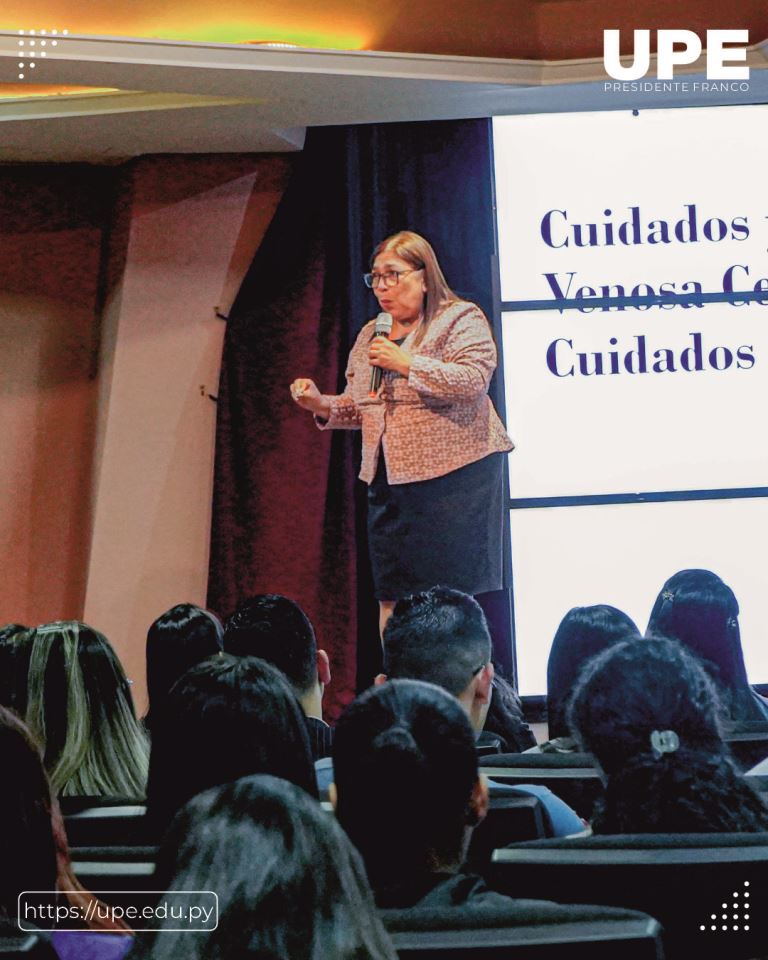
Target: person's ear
(379, 679)
(323, 668)
(484, 685)
(333, 796)
(478, 801)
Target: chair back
(698, 886)
(108, 826)
(571, 776)
(114, 869)
(18, 945)
(518, 930)
(511, 818)
(748, 742)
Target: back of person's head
(226, 718)
(27, 847)
(176, 641)
(290, 886)
(583, 633)
(33, 842)
(701, 612)
(651, 716)
(439, 636)
(78, 706)
(277, 630)
(406, 775)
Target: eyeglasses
(389, 279)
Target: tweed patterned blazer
(437, 419)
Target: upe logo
(688, 50)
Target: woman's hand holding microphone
(388, 355)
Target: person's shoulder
(460, 316)
(453, 309)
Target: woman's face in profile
(404, 301)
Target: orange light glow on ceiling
(332, 26)
(26, 91)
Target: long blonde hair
(418, 252)
(79, 709)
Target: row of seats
(572, 777)
(510, 818)
(686, 882)
(603, 940)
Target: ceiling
(130, 78)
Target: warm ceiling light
(276, 44)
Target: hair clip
(668, 595)
(664, 741)
(57, 626)
(731, 622)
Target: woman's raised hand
(306, 395)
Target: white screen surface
(685, 188)
(630, 433)
(662, 162)
(650, 424)
(621, 554)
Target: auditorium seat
(108, 826)
(18, 945)
(748, 742)
(511, 818)
(70, 805)
(597, 940)
(571, 776)
(681, 880)
(523, 929)
(758, 775)
(115, 869)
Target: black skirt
(444, 531)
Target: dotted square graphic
(738, 919)
(35, 44)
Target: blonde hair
(79, 708)
(418, 252)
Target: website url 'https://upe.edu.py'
(140, 910)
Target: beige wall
(105, 489)
(51, 231)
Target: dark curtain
(288, 513)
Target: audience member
(179, 638)
(505, 719)
(226, 718)
(697, 609)
(408, 793)
(505, 725)
(583, 633)
(77, 703)
(441, 637)
(276, 629)
(35, 854)
(290, 885)
(650, 715)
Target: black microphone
(383, 328)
